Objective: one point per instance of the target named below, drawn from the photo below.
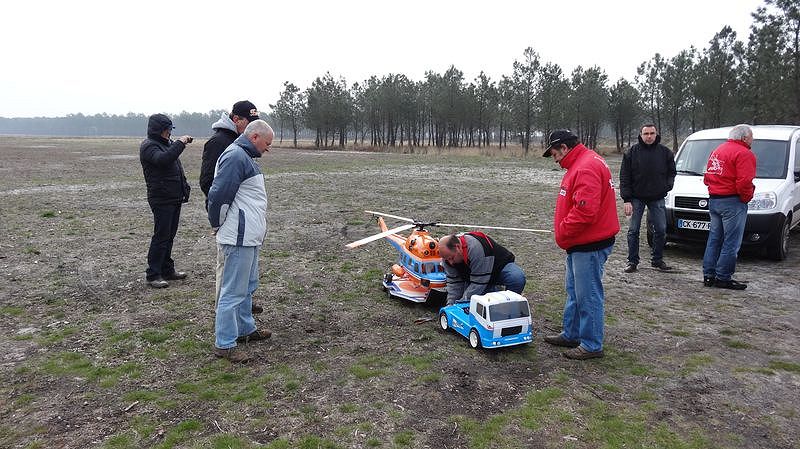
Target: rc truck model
(493, 320)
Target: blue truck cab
(493, 320)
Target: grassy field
(94, 358)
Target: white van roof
(764, 132)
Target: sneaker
(158, 283)
(581, 354)
(233, 355)
(730, 284)
(175, 276)
(256, 309)
(661, 265)
(631, 268)
(256, 335)
(559, 340)
(708, 281)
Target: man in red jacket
(729, 177)
(586, 224)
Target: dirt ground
(94, 358)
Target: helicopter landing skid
(410, 289)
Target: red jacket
(586, 209)
(730, 171)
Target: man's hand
(186, 139)
(628, 209)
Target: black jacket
(647, 172)
(163, 172)
(213, 148)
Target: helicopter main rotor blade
(383, 234)
(453, 225)
(389, 215)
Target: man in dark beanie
(167, 189)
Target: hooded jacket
(586, 209)
(647, 172)
(224, 135)
(237, 199)
(730, 171)
(163, 172)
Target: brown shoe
(581, 354)
(559, 340)
(256, 335)
(233, 355)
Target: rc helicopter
(418, 275)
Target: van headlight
(763, 201)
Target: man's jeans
(512, 277)
(584, 308)
(728, 217)
(165, 225)
(656, 217)
(234, 307)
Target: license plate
(694, 224)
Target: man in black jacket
(226, 130)
(167, 189)
(646, 175)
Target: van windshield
(508, 310)
(772, 157)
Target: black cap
(558, 137)
(157, 123)
(245, 109)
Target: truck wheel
(443, 321)
(778, 245)
(474, 339)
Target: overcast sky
(120, 56)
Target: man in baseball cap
(557, 138)
(245, 109)
(586, 226)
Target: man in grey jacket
(237, 211)
(226, 130)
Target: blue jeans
(512, 277)
(234, 316)
(728, 217)
(584, 309)
(656, 217)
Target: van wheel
(474, 339)
(778, 246)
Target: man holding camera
(167, 189)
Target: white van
(775, 208)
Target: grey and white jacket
(237, 200)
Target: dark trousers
(165, 226)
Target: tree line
(730, 81)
